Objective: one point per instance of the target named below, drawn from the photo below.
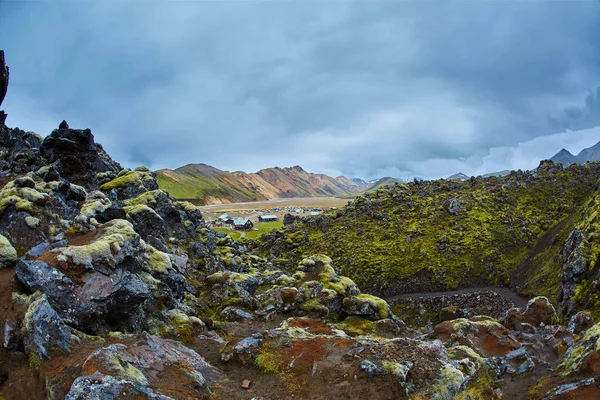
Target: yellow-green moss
(139, 208)
(91, 208)
(8, 254)
(382, 306)
(356, 326)
(573, 359)
(399, 231)
(114, 234)
(126, 179)
(146, 198)
(159, 262)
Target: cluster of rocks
(433, 309)
(315, 287)
(93, 248)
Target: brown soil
(73, 271)
(314, 326)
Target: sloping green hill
(204, 184)
(188, 186)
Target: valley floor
(300, 202)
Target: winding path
(518, 300)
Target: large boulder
(107, 387)
(76, 156)
(145, 369)
(583, 357)
(537, 311)
(484, 335)
(42, 328)
(92, 283)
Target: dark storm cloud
(357, 88)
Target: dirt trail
(518, 300)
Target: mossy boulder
(22, 198)
(8, 254)
(114, 243)
(131, 184)
(366, 306)
(583, 357)
(448, 383)
(109, 361)
(145, 362)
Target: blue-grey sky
(356, 88)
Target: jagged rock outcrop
(77, 157)
(4, 72)
(93, 285)
(580, 277)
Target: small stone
(32, 222)
(246, 384)
(371, 369)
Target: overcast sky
(364, 89)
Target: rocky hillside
(566, 158)
(112, 289)
(204, 184)
(423, 236)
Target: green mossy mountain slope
(447, 234)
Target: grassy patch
(235, 235)
(263, 227)
(195, 186)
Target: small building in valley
(267, 218)
(243, 224)
(225, 219)
(313, 213)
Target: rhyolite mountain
(458, 177)
(589, 154)
(112, 289)
(205, 184)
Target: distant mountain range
(209, 185)
(462, 177)
(566, 158)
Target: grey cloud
(353, 88)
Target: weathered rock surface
(76, 156)
(8, 254)
(43, 328)
(537, 311)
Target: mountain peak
(566, 158)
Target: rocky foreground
(111, 289)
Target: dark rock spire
(3, 76)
